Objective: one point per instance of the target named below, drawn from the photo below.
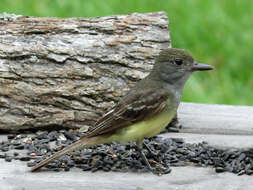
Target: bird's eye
(179, 61)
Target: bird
(145, 110)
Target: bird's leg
(143, 156)
(149, 149)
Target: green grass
(216, 32)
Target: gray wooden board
(219, 141)
(216, 119)
(14, 176)
(219, 125)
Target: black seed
(53, 135)
(249, 172)
(8, 159)
(11, 136)
(241, 172)
(219, 170)
(3, 155)
(167, 171)
(106, 169)
(247, 160)
(25, 158)
(195, 160)
(86, 167)
(15, 153)
(178, 140)
(70, 135)
(248, 167)
(5, 149)
(42, 134)
(242, 157)
(31, 164)
(19, 147)
(174, 160)
(57, 169)
(15, 142)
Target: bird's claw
(154, 153)
(159, 169)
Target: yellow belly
(145, 128)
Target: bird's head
(176, 65)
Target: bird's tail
(80, 144)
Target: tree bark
(67, 72)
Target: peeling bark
(67, 72)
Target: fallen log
(67, 71)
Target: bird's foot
(159, 169)
(153, 152)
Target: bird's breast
(146, 128)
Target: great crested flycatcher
(145, 110)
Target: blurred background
(216, 32)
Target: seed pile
(161, 153)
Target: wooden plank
(219, 141)
(216, 119)
(14, 175)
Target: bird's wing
(132, 108)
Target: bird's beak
(201, 67)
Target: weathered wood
(67, 72)
(239, 142)
(216, 119)
(14, 176)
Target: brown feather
(134, 107)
